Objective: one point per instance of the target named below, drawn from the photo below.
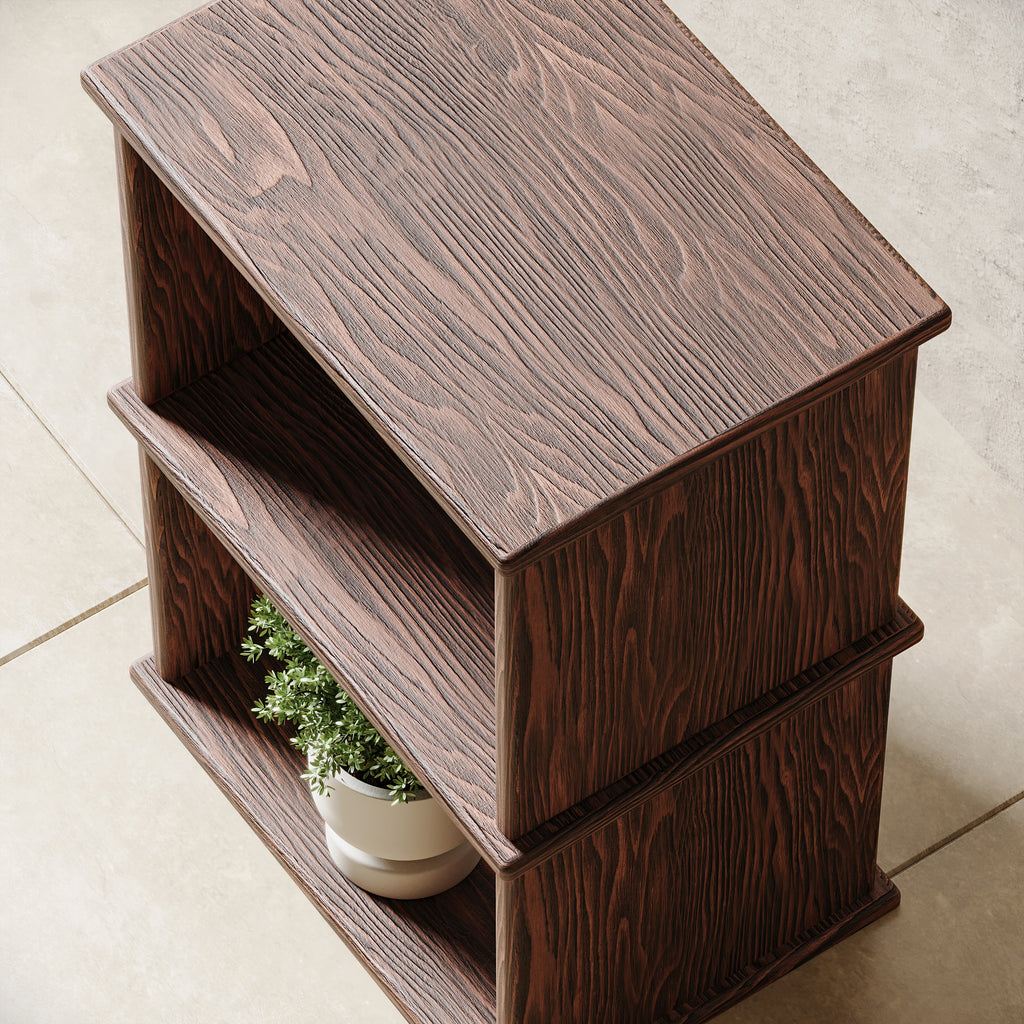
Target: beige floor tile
(913, 109)
(65, 336)
(132, 891)
(62, 550)
(952, 953)
(956, 723)
(77, 352)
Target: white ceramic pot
(401, 850)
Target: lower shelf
(726, 869)
(435, 958)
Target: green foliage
(330, 729)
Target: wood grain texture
(549, 248)
(385, 590)
(698, 752)
(199, 596)
(435, 958)
(883, 898)
(693, 603)
(563, 406)
(684, 896)
(189, 309)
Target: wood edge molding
(882, 898)
(698, 752)
(503, 775)
(671, 473)
(128, 250)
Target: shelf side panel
(189, 309)
(692, 603)
(704, 885)
(696, 753)
(199, 597)
(435, 958)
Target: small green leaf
(302, 693)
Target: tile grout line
(87, 614)
(958, 834)
(59, 441)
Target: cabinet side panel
(692, 603)
(189, 309)
(682, 897)
(198, 595)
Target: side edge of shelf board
(435, 958)
(383, 587)
(883, 898)
(697, 752)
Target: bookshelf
(563, 406)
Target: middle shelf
(324, 518)
(387, 592)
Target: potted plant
(384, 831)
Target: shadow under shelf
(434, 957)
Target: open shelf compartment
(434, 957)
(474, 942)
(335, 530)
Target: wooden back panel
(189, 309)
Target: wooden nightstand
(564, 407)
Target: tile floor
(129, 891)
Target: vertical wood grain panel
(691, 604)
(189, 309)
(199, 597)
(684, 895)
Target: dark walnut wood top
(552, 251)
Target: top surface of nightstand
(550, 249)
